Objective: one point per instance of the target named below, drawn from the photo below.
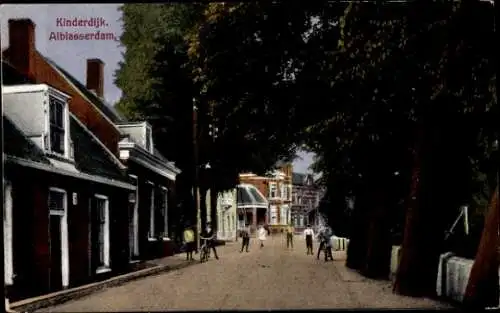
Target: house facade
(305, 200)
(154, 177)
(145, 193)
(277, 188)
(227, 215)
(64, 196)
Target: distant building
(306, 195)
(277, 188)
(227, 215)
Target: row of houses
(86, 194)
(278, 199)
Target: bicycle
(204, 250)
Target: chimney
(21, 51)
(95, 76)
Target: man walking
(189, 243)
(245, 238)
(289, 236)
(309, 235)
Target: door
(131, 230)
(55, 282)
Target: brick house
(145, 166)
(277, 188)
(305, 200)
(64, 194)
(146, 214)
(150, 220)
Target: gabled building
(64, 196)
(145, 215)
(87, 106)
(277, 188)
(118, 135)
(227, 215)
(154, 176)
(305, 200)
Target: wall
(31, 247)
(152, 249)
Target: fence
(339, 243)
(453, 274)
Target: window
(149, 139)
(56, 202)
(102, 219)
(299, 200)
(273, 190)
(282, 191)
(57, 125)
(290, 189)
(274, 215)
(159, 213)
(283, 215)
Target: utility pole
(196, 195)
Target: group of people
(208, 236)
(262, 233)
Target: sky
(72, 54)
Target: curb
(51, 299)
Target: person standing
(289, 236)
(245, 238)
(324, 236)
(309, 235)
(189, 243)
(262, 233)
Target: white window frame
(64, 233)
(273, 212)
(273, 186)
(107, 266)
(67, 153)
(148, 134)
(151, 232)
(165, 214)
(282, 191)
(135, 218)
(7, 234)
(290, 190)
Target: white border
(64, 234)
(7, 234)
(106, 267)
(135, 219)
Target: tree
(482, 289)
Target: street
(268, 278)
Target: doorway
(55, 278)
(58, 240)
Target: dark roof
(10, 76)
(298, 178)
(90, 157)
(249, 195)
(108, 110)
(18, 145)
(301, 178)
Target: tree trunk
(356, 253)
(482, 289)
(213, 208)
(436, 180)
(203, 206)
(378, 254)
